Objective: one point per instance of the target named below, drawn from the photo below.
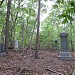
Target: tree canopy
(23, 22)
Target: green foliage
(66, 17)
(62, 17)
(58, 20)
(55, 6)
(60, 1)
(66, 11)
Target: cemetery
(37, 37)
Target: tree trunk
(25, 37)
(14, 19)
(7, 25)
(11, 42)
(22, 33)
(32, 35)
(2, 34)
(37, 35)
(71, 31)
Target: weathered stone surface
(64, 53)
(2, 49)
(64, 42)
(65, 56)
(16, 45)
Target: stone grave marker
(16, 45)
(2, 49)
(64, 54)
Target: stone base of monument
(65, 56)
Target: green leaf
(70, 18)
(62, 15)
(72, 3)
(58, 1)
(32, 12)
(65, 21)
(55, 6)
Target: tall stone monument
(64, 53)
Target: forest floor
(24, 63)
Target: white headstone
(16, 44)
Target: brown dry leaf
(12, 63)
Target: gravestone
(2, 49)
(64, 53)
(16, 45)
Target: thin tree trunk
(37, 35)
(22, 34)
(11, 42)
(14, 23)
(72, 47)
(7, 25)
(2, 34)
(32, 34)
